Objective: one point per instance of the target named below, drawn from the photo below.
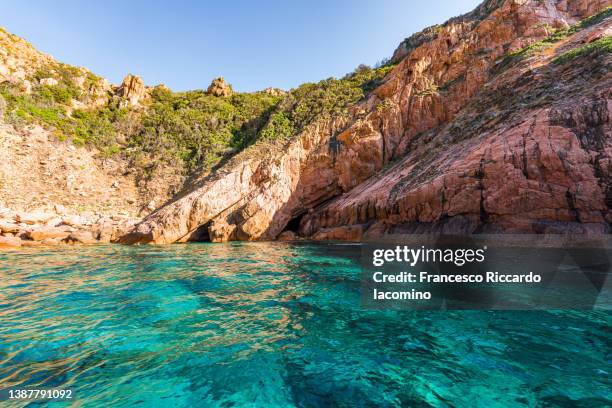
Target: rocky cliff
(497, 120)
(54, 186)
(73, 146)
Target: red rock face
(457, 139)
(537, 175)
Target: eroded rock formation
(131, 91)
(462, 136)
(218, 87)
(274, 91)
(20, 229)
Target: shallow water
(273, 324)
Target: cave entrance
(200, 234)
(294, 224)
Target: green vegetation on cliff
(184, 130)
(555, 37)
(312, 101)
(197, 128)
(601, 46)
(160, 136)
(50, 106)
(190, 127)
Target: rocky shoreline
(497, 121)
(493, 125)
(42, 228)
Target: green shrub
(553, 38)
(181, 130)
(31, 108)
(599, 47)
(279, 127)
(594, 19)
(310, 101)
(197, 128)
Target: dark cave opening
(200, 234)
(294, 224)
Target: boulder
(36, 217)
(131, 91)
(27, 243)
(218, 87)
(49, 81)
(47, 232)
(104, 234)
(50, 241)
(58, 208)
(287, 236)
(151, 206)
(9, 227)
(54, 222)
(72, 220)
(274, 91)
(7, 213)
(81, 237)
(26, 86)
(10, 242)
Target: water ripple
(273, 324)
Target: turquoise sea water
(273, 324)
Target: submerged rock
(81, 237)
(287, 236)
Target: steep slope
(39, 169)
(496, 120)
(264, 176)
(530, 153)
(71, 144)
(38, 172)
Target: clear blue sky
(253, 44)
